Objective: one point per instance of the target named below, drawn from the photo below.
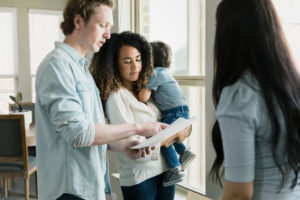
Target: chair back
(26, 106)
(14, 159)
(13, 145)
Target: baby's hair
(162, 54)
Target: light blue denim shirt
(67, 107)
(165, 89)
(247, 140)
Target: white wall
(212, 190)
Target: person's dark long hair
(249, 37)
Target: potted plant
(17, 99)
(27, 113)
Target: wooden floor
(17, 191)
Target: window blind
(44, 30)
(8, 56)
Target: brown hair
(104, 65)
(84, 8)
(162, 54)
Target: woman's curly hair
(104, 64)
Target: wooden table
(31, 136)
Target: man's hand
(149, 129)
(134, 153)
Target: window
(160, 28)
(42, 39)
(289, 15)
(8, 56)
(181, 27)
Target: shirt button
(81, 62)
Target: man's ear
(78, 21)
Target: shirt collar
(82, 61)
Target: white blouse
(123, 107)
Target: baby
(169, 99)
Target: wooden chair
(14, 158)
(26, 106)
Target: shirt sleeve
(118, 109)
(57, 92)
(237, 116)
(153, 83)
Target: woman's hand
(178, 137)
(149, 129)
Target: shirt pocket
(84, 93)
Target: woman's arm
(238, 114)
(237, 191)
(144, 95)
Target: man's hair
(84, 8)
(162, 54)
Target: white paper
(172, 129)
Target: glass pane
(180, 25)
(8, 41)
(8, 86)
(289, 14)
(195, 97)
(159, 22)
(42, 39)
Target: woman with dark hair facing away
(120, 69)
(256, 93)
(169, 99)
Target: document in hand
(172, 129)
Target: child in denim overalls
(168, 98)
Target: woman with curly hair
(120, 69)
(256, 93)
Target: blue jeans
(150, 189)
(68, 197)
(169, 116)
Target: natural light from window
(172, 32)
(42, 39)
(289, 14)
(8, 56)
(180, 28)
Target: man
(70, 124)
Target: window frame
(188, 80)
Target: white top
(123, 107)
